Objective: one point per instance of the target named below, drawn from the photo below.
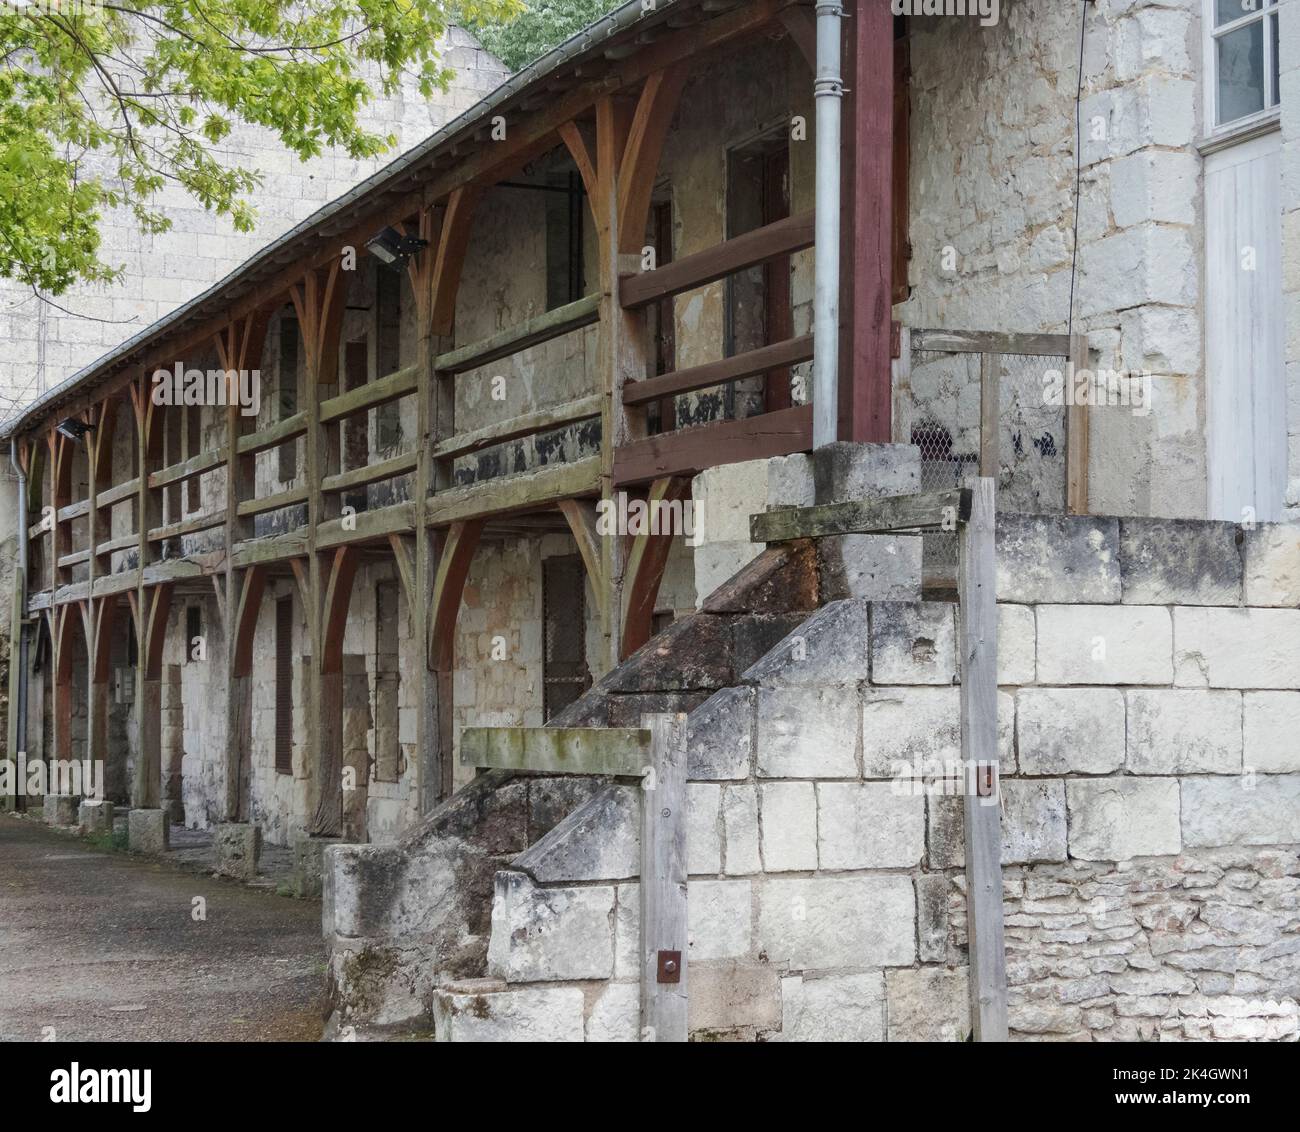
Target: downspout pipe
(18, 702)
(828, 90)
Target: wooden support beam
(459, 544)
(449, 259)
(752, 363)
(978, 613)
(646, 561)
(940, 510)
(692, 450)
(581, 517)
(623, 751)
(664, 934)
(515, 339)
(540, 488)
(526, 424)
(401, 383)
(1077, 437)
(865, 395)
(399, 465)
(640, 162)
(773, 241)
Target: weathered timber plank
(273, 435)
(514, 427)
(365, 525)
(569, 750)
(990, 342)
(271, 502)
(663, 879)
(977, 609)
(509, 493)
(1077, 438)
(514, 339)
(770, 242)
(749, 364)
(118, 492)
(940, 509)
(400, 383)
(372, 473)
(196, 465)
(692, 450)
(274, 548)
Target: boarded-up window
(564, 665)
(288, 393)
(284, 685)
(565, 211)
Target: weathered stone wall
(1149, 672)
(1289, 66)
(991, 204)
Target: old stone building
(597, 288)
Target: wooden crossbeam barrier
(940, 510)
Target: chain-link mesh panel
(940, 407)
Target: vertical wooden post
(663, 881)
(977, 595)
(1076, 435)
(990, 399)
(865, 394)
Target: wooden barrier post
(977, 594)
(663, 881)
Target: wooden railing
(655, 755)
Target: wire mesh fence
(941, 408)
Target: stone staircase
(410, 927)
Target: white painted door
(1244, 332)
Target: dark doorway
(564, 615)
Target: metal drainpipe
(829, 92)
(20, 614)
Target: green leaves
(543, 25)
(101, 105)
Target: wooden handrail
(525, 424)
(396, 385)
(553, 324)
(759, 246)
(749, 364)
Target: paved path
(102, 945)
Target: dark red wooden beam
(866, 284)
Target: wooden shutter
(284, 685)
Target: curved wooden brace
(459, 543)
(101, 441)
(645, 567)
(453, 242)
(581, 154)
(320, 298)
(581, 516)
(104, 616)
(404, 556)
(61, 634)
(158, 604)
(251, 589)
(338, 594)
(645, 143)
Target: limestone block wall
(1149, 671)
(992, 208)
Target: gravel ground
(104, 946)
